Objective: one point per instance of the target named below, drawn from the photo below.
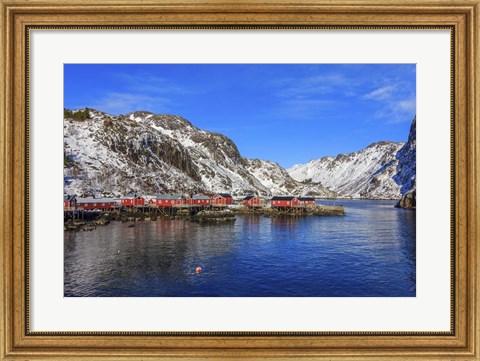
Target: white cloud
(396, 101)
(407, 105)
(382, 93)
(140, 91)
(313, 85)
(151, 83)
(116, 103)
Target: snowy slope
(116, 156)
(277, 179)
(383, 170)
(367, 173)
(149, 153)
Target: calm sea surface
(368, 252)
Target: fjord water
(369, 252)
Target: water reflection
(368, 252)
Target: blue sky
(288, 113)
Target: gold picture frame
(18, 17)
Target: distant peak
(381, 143)
(139, 113)
(162, 118)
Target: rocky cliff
(406, 170)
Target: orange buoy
(198, 270)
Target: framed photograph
(239, 180)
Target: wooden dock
(192, 212)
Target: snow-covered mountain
(367, 173)
(277, 179)
(383, 170)
(151, 153)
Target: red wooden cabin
(306, 201)
(133, 201)
(222, 199)
(96, 203)
(166, 200)
(284, 202)
(66, 202)
(69, 201)
(200, 200)
(252, 201)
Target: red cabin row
(96, 203)
(166, 200)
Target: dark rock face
(406, 169)
(407, 158)
(174, 156)
(408, 200)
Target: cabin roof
(201, 197)
(304, 199)
(96, 200)
(170, 197)
(283, 198)
(224, 195)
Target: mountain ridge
(143, 152)
(152, 153)
(382, 170)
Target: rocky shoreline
(317, 210)
(204, 216)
